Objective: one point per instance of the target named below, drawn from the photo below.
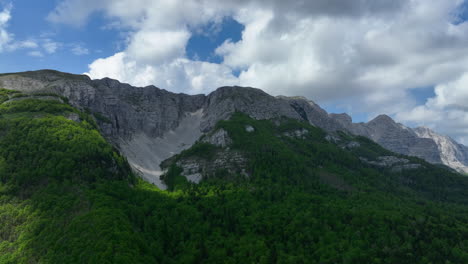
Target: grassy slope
(67, 197)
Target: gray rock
(332, 138)
(218, 138)
(300, 133)
(394, 163)
(249, 129)
(352, 144)
(74, 117)
(195, 169)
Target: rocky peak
(383, 121)
(224, 101)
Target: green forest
(68, 196)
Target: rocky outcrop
(299, 133)
(219, 138)
(225, 160)
(394, 163)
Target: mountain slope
(67, 197)
(152, 118)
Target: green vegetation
(5, 94)
(67, 197)
(202, 150)
(174, 178)
(35, 106)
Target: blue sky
(405, 58)
(29, 22)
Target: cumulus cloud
(368, 55)
(158, 47)
(181, 75)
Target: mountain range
(149, 125)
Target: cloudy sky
(405, 58)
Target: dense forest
(67, 196)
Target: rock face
(149, 124)
(393, 136)
(300, 133)
(419, 142)
(452, 154)
(194, 169)
(219, 138)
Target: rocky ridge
(419, 142)
(149, 124)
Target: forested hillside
(67, 196)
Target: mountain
(149, 124)
(270, 186)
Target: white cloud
(368, 55)
(158, 47)
(28, 44)
(79, 50)
(50, 46)
(36, 53)
(75, 12)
